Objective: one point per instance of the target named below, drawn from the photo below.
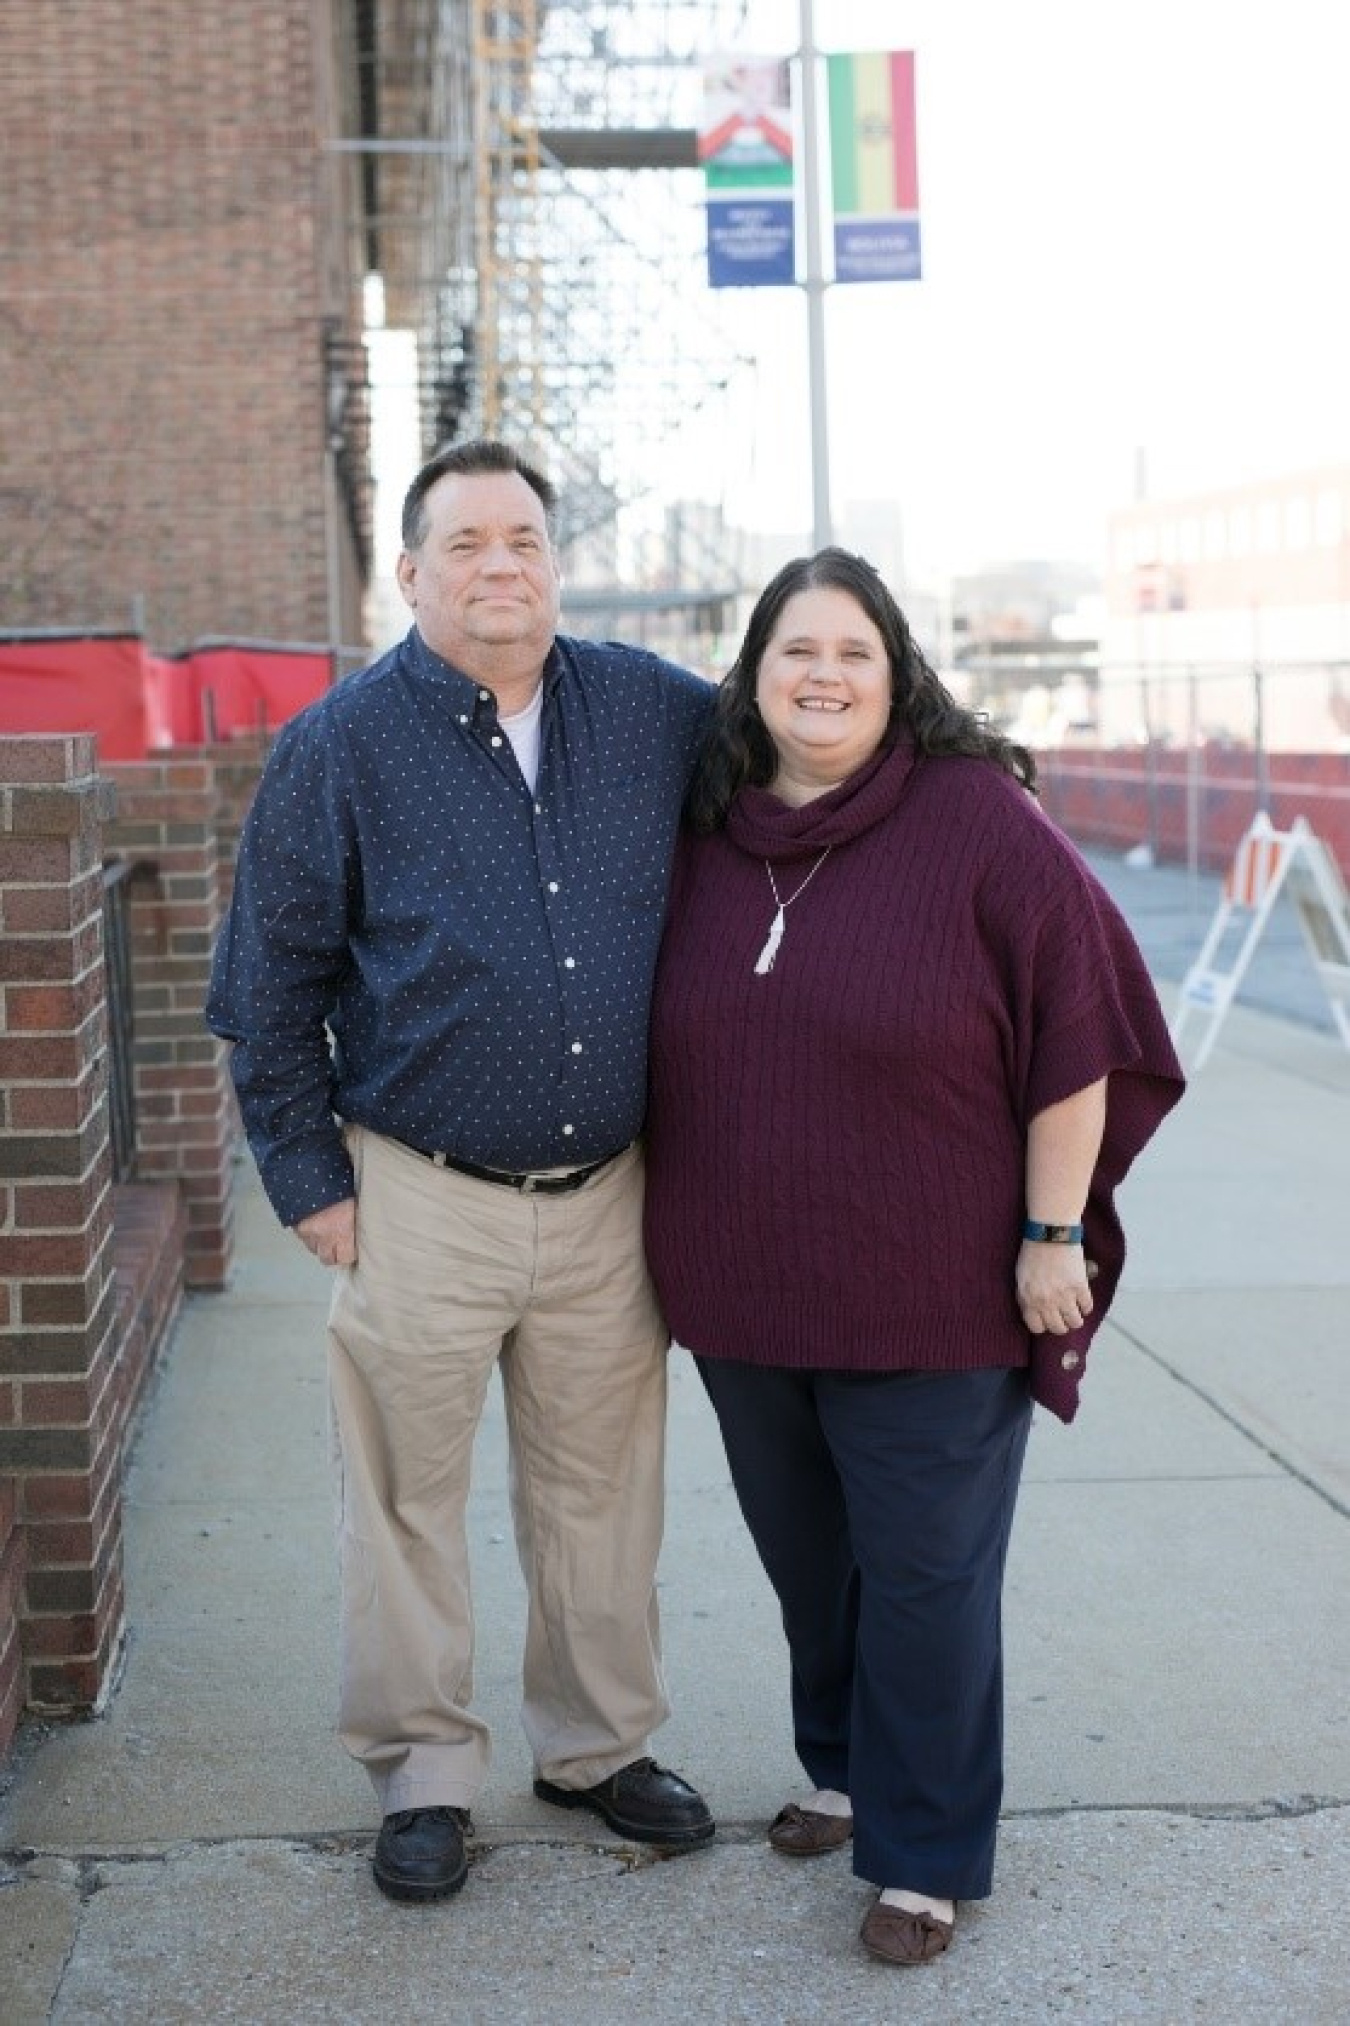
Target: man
(456, 866)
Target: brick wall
(91, 1274)
(60, 1433)
(167, 813)
(237, 764)
(178, 273)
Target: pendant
(764, 962)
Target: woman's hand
(1052, 1287)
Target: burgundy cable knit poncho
(836, 1149)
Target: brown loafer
(896, 1935)
(805, 1832)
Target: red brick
(39, 909)
(45, 756)
(25, 859)
(47, 1009)
(61, 1206)
(13, 1567)
(47, 1253)
(65, 1542)
(62, 1302)
(55, 1106)
(11, 1690)
(56, 1403)
(68, 1495)
(199, 1076)
(66, 1685)
(59, 1638)
(39, 1056)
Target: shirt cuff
(307, 1178)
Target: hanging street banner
(745, 146)
(874, 166)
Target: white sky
(1136, 225)
(1136, 228)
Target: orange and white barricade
(1268, 863)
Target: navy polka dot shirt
(419, 943)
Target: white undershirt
(523, 732)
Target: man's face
(483, 583)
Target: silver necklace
(764, 962)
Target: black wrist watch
(1052, 1234)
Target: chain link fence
(1178, 759)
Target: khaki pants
(454, 1276)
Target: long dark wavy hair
(739, 753)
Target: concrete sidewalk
(1177, 1837)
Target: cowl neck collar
(760, 824)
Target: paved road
(1171, 910)
(1177, 1822)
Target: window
(1330, 518)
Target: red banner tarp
(77, 686)
(137, 703)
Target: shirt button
(464, 720)
(496, 742)
(553, 886)
(576, 1048)
(1071, 1360)
(485, 696)
(538, 808)
(569, 1129)
(569, 963)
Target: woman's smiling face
(824, 691)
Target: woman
(903, 1050)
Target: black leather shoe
(419, 1853)
(644, 1802)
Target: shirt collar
(464, 691)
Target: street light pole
(815, 284)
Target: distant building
(1211, 587)
(1024, 641)
(183, 400)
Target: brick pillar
(60, 1432)
(185, 1132)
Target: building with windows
(1207, 591)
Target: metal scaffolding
(534, 212)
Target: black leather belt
(528, 1185)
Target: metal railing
(117, 877)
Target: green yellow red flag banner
(874, 166)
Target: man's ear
(405, 570)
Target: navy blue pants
(881, 1506)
